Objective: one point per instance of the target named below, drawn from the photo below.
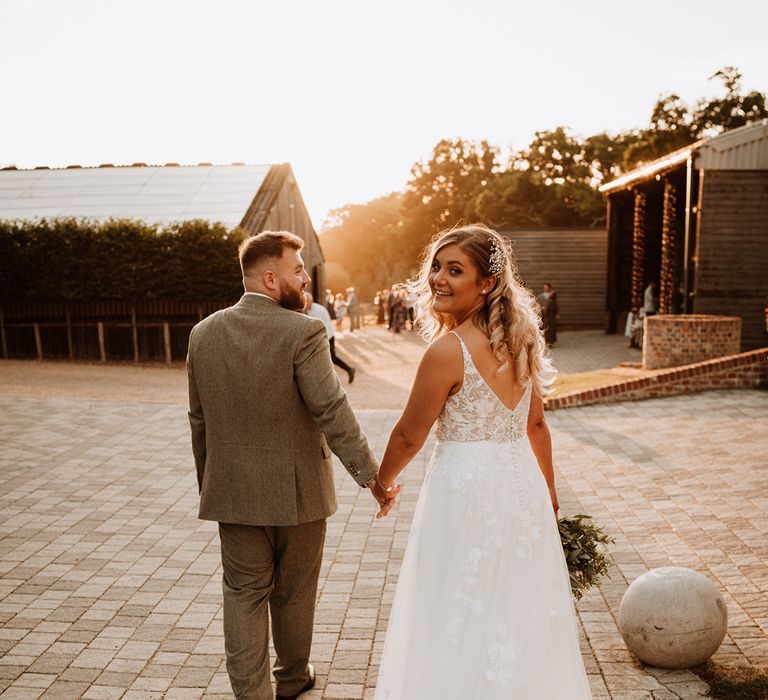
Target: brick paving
(386, 365)
(585, 351)
(110, 586)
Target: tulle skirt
(483, 608)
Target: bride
(483, 607)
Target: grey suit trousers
(273, 568)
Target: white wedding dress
(483, 607)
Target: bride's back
(505, 385)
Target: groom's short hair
(268, 244)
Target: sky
(350, 92)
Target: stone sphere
(673, 617)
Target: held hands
(385, 496)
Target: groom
(264, 405)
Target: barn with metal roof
(696, 223)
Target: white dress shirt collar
(259, 294)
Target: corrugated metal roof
(156, 194)
(745, 148)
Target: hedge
(120, 259)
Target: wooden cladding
(732, 249)
(573, 261)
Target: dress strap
(469, 365)
(461, 342)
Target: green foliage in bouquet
(585, 548)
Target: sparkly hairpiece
(498, 260)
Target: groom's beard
(290, 298)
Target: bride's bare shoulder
(444, 352)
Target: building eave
(650, 170)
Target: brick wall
(676, 340)
(748, 370)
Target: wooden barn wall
(574, 262)
(732, 249)
(289, 213)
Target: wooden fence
(101, 331)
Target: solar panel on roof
(156, 194)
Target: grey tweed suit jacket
(264, 405)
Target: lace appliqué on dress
(476, 413)
(502, 653)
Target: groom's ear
(269, 278)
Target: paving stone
(15, 692)
(103, 692)
(65, 690)
(110, 585)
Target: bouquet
(585, 548)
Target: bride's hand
(390, 502)
(385, 496)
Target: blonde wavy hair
(510, 317)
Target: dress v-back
(475, 412)
(483, 607)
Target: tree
(671, 127)
(337, 278)
(674, 124)
(507, 199)
(364, 239)
(549, 183)
(436, 197)
(735, 109)
(565, 165)
(605, 155)
(556, 157)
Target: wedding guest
(678, 299)
(340, 307)
(318, 311)
(329, 304)
(410, 305)
(391, 300)
(550, 315)
(385, 305)
(378, 302)
(650, 300)
(352, 310)
(546, 291)
(399, 315)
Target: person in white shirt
(650, 300)
(318, 311)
